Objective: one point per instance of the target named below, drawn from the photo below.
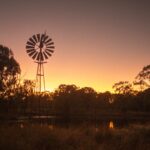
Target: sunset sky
(98, 42)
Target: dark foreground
(37, 137)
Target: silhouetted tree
(63, 98)
(63, 88)
(87, 90)
(29, 86)
(9, 69)
(103, 101)
(123, 87)
(143, 78)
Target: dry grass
(45, 138)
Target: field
(40, 137)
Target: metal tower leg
(40, 79)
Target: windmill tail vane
(40, 47)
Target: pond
(53, 122)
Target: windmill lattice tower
(40, 47)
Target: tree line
(68, 100)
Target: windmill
(40, 47)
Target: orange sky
(97, 43)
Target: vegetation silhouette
(9, 69)
(123, 87)
(143, 78)
(69, 101)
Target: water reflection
(107, 125)
(111, 125)
(51, 124)
(21, 125)
(51, 127)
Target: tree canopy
(9, 68)
(143, 78)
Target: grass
(35, 137)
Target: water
(52, 122)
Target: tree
(123, 87)
(9, 69)
(143, 78)
(63, 88)
(29, 86)
(87, 90)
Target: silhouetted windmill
(40, 47)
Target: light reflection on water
(21, 125)
(51, 127)
(108, 125)
(51, 124)
(111, 124)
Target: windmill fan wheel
(40, 47)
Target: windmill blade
(38, 37)
(35, 39)
(30, 50)
(38, 57)
(45, 38)
(31, 40)
(46, 42)
(29, 47)
(52, 43)
(49, 47)
(30, 54)
(40, 47)
(34, 56)
(29, 43)
(42, 37)
(48, 53)
(49, 50)
(46, 57)
(42, 58)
